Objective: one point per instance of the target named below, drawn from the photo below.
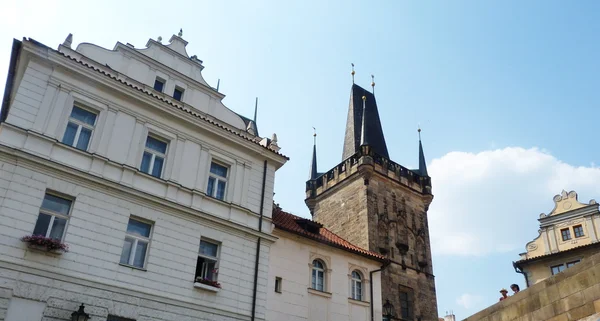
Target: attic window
(308, 225)
(159, 84)
(178, 93)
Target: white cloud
(468, 300)
(489, 202)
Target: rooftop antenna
(352, 73)
(373, 83)
(218, 83)
(255, 109)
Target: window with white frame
(217, 181)
(318, 275)
(80, 127)
(137, 241)
(207, 266)
(356, 286)
(53, 218)
(153, 160)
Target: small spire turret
(313, 164)
(422, 163)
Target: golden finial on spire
(364, 98)
(373, 83)
(352, 73)
(315, 135)
(419, 131)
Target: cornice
(130, 194)
(589, 210)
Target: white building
(316, 275)
(130, 158)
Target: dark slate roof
(313, 164)
(422, 164)
(373, 130)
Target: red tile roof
(535, 258)
(168, 101)
(290, 223)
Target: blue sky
(506, 93)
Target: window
(557, 269)
(136, 244)
(154, 156)
(278, 284)
(217, 181)
(570, 264)
(578, 230)
(356, 286)
(318, 275)
(159, 84)
(178, 93)
(207, 265)
(116, 318)
(54, 214)
(79, 129)
(405, 306)
(566, 234)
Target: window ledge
(133, 267)
(321, 293)
(358, 302)
(38, 248)
(199, 285)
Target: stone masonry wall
(343, 210)
(573, 294)
(398, 216)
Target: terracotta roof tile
(290, 223)
(535, 258)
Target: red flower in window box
(46, 243)
(208, 282)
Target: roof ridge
(193, 113)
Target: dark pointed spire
(422, 164)
(364, 139)
(313, 164)
(355, 124)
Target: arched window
(356, 286)
(318, 275)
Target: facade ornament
(180, 34)
(159, 39)
(68, 41)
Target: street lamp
(388, 311)
(80, 315)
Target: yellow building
(566, 236)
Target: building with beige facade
(315, 275)
(567, 235)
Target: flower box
(206, 287)
(45, 244)
(207, 284)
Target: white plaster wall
(40, 111)
(95, 235)
(290, 257)
(176, 68)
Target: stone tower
(381, 206)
